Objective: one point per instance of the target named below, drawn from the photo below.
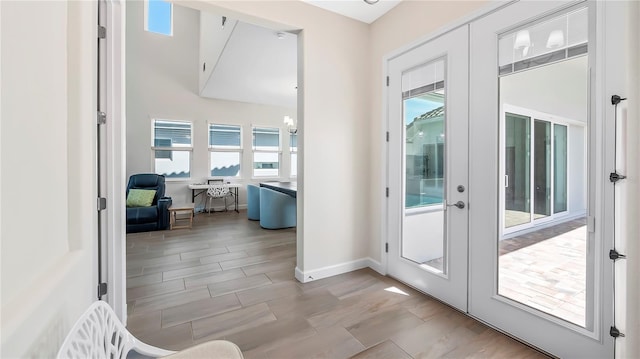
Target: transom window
(225, 150)
(172, 147)
(266, 152)
(158, 17)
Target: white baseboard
(377, 266)
(299, 275)
(330, 271)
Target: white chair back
(100, 334)
(218, 190)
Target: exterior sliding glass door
(535, 169)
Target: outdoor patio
(546, 270)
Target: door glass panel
(559, 168)
(543, 261)
(542, 169)
(423, 93)
(517, 170)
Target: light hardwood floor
(226, 278)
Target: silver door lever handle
(458, 204)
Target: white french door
(428, 152)
(543, 284)
(497, 203)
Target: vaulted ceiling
(259, 65)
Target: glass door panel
(542, 250)
(517, 170)
(424, 118)
(560, 178)
(542, 169)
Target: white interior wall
(162, 82)
(48, 264)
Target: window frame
(552, 119)
(213, 148)
(254, 151)
(155, 148)
(146, 18)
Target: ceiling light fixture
(522, 40)
(371, 2)
(556, 39)
(291, 126)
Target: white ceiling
(356, 9)
(256, 67)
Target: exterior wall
(47, 165)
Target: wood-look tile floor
(226, 278)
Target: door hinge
(613, 255)
(615, 177)
(102, 32)
(102, 203)
(102, 118)
(614, 332)
(386, 247)
(387, 191)
(387, 81)
(591, 224)
(102, 289)
(387, 136)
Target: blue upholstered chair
(277, 210)
(253, 202)
(154, 217)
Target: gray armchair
(154, 217)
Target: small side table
(182, 209)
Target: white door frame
(114, 173)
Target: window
(293, 147)
(225, 150)
(172, 148)
(159, 17)
(266, 152)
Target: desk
(290, 188)
(202, 188)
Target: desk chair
(218, 191)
